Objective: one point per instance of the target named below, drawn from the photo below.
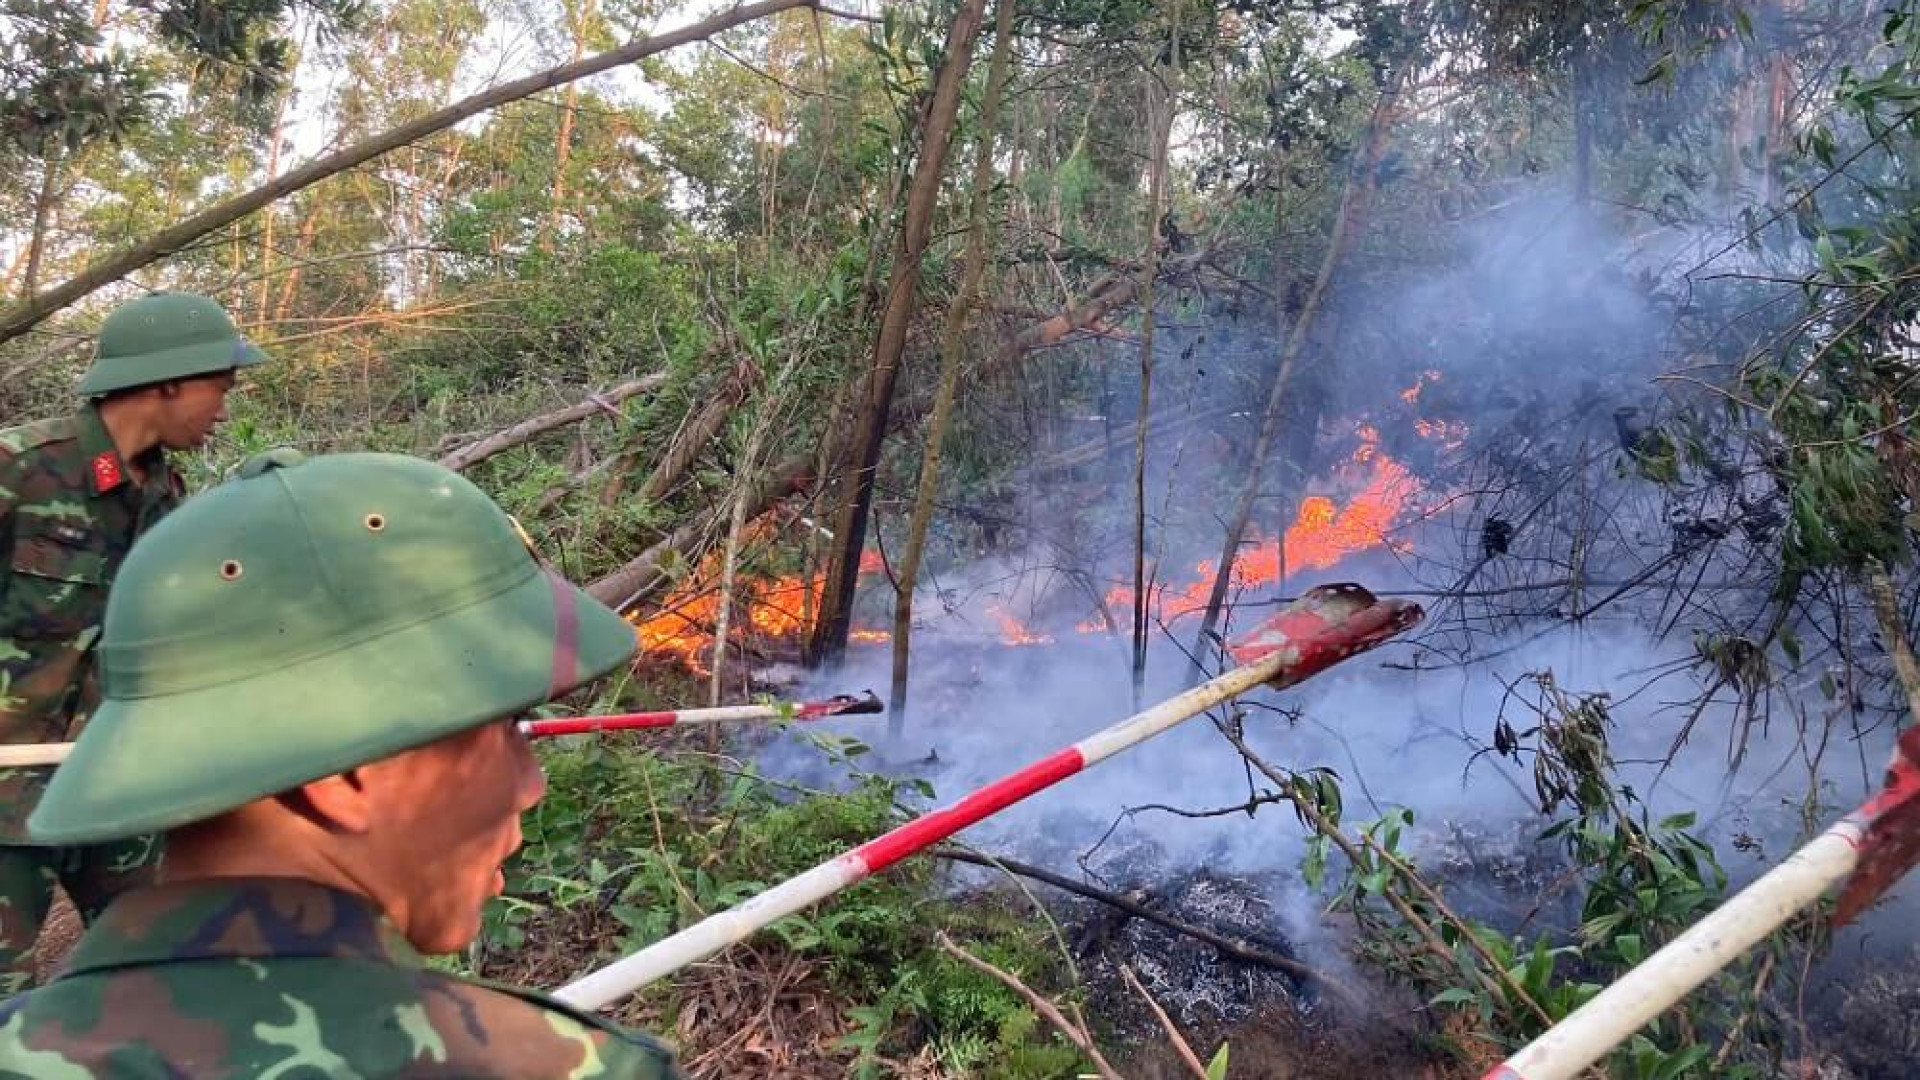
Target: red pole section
(1320, 629)
(843, 705)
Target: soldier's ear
(337, 804)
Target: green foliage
(1644, 883)
(655, 842)
(60, 89)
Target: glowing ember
(1411, 395)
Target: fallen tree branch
(480, 450)
(1074, 1033)
(23, 316)
(648, 571)
(694, 435)
(1229, 947)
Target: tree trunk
(266, 230)
(1352, 199)
(42, 219)
(691, 439)
(23, 316)
(952, 347)
(1893, 632)
(1160, 116)
(1583, 91)
(563, 145)
(850, 533)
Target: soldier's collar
(105, 469)
(238, 918)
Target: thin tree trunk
(563, 146)
(42, 220)
(23, 316)
(308, 228)
(273, 169)
(1160, 115)
(1582, 125)
(952, 348)
(743, 497)
(937, 122)
(1893, 632)
(1352, 198)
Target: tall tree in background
(875, 397)
(952, 350)
(63, 90)
(1162, 93)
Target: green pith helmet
(309, 616)
(163, 336)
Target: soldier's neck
(131, 425)
(253, 844)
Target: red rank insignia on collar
(106, 471)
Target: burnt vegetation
(1099, 328)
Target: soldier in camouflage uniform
(74, 493)
(312, 674)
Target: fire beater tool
(841, 705)
(1877, 845)
(1325, 626)
(28, 754)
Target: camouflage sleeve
(522, 1033)
(9, 481)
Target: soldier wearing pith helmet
(75, 491)
(312, 677)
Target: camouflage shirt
(276, 977)
(70, 509)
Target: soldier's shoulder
(539, 1027)
(22, 438)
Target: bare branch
(475, 452)
(1075, 1034)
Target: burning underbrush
(1016, 662)
(1367, 497)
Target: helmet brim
(185, 362)
(145, 765)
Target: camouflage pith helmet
(309, 616)
(164, 336)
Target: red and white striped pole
(844, 705)
(1318, 630)
(1877, 844)
(24, 755)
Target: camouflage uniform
(287, 626)
(269, 977)
(70, 509)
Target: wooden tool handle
(51, 753)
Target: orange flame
(1322, 534)
(1324, 531)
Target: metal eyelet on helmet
(376, 522)
(231, 570)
